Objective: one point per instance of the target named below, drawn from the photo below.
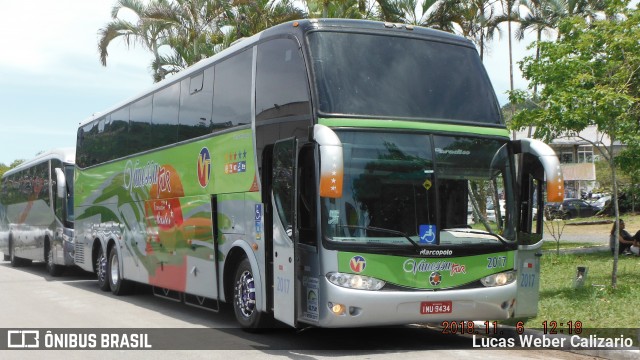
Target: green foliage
(180, 33)
(596, 304)
(4, 168)
(587, 78)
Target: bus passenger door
(537, 163)
(284, 188)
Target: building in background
(578, 154)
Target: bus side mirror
(331, 161)
(550, 164)
(61, 183)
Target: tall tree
(150, 33)
(195, 31)
(476, 21)
(437, 14)
(346, 9)
(509, 15)
(589, 76)
(249, 17)
(543, 16)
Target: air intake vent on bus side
(79, 253)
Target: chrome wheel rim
(246, 294)
(114, 269)
(101, 267)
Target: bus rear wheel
(118, 285)
(244, 298)
(52, 268)
(16, 261)
(101, 270)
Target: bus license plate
(435, 307)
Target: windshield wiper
(479, 232)
(388, 231)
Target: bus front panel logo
(204, 167)
(357, 264)
(435, 278)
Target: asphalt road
(31, 299)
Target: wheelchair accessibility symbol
(428, 234)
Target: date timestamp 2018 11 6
(472, 327)
(492, 327)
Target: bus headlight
(499, 279)
(353, 281)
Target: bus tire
(52, 268)
(101, 270)
(244, 298)
(118, 285)
(16, 261)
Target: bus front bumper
(375, 308)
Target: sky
(51, 78)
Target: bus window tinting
(165, 116)
(281, 81)
(232, 91)
(140, 125)
(388, 76)
(181, 111)
(195, 106)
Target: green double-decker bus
(329, 173)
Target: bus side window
(140, 125)
(164, 122)
(196, 102)
(232, 91)
(283, 108)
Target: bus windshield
(400, 77)
(421, 190)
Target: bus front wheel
(244, 297)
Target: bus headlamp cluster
(499, 279)
(353, 281)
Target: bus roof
(66, 155)
(297, 27)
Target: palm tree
(346, 9)
(150, 33)
(195, 30)
(475, 20)
(509, 16)
(543, 16)
(249, 17)
(436, 14)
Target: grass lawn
(596, 304)
(552, 245)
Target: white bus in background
(36, 211)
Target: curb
(580, 250)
